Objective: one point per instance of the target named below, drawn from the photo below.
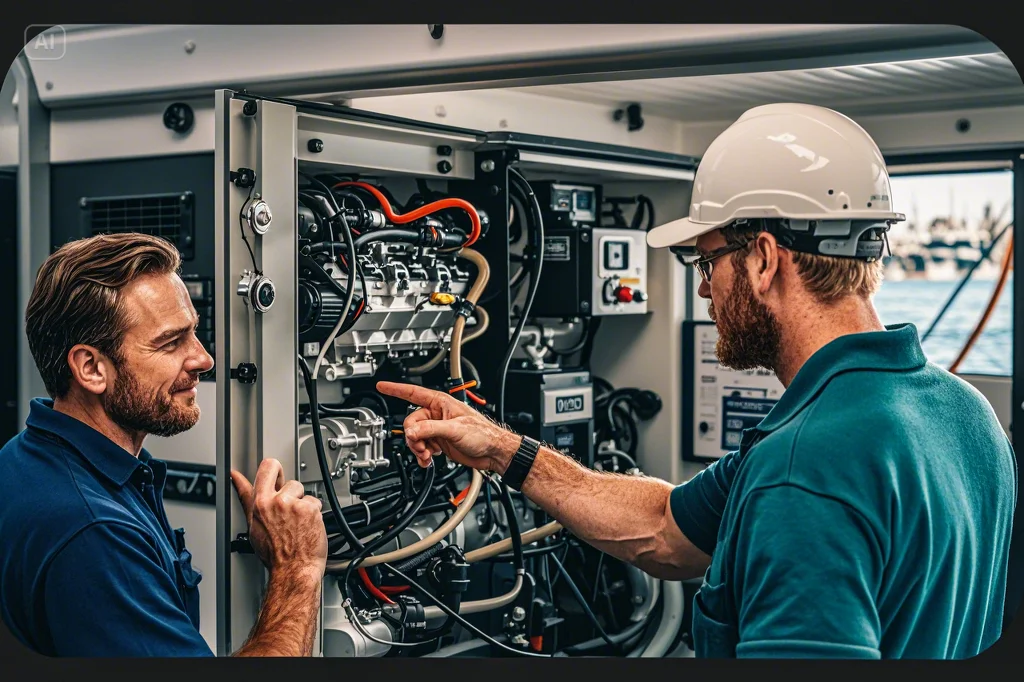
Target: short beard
(130, 408)
(749, 335)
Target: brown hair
(76, 299)
(828, 278)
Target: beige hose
(455, 351)
(502, 546)
(479, 606)
(492, 550)
(426, 543)
(483, 274)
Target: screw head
(315, 145)
(444, 166)
(518, 614)
(487, 165)
(190, 46)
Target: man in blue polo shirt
(869, 514)
(89, 565)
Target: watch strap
(521, 463)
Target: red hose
(422, 211)
(373, 588)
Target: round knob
(260, 217)
(639, 296)
(179, 117)
(624, 295)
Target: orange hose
(475, 398)
(422, 211)
(1003, 274)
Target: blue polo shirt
(867, 516)
(89, 565)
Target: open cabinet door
(257, 400)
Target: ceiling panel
(920, 85)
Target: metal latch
(246, 373)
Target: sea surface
(919, 301)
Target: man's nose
(704, 290)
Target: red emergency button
(624, 295)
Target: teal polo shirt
(867, 516)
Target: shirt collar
(896, 349)
(105, 456)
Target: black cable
(583, 602)
(462, 621)
(356, 514)
(393, 532)
(241, 226)
(513, 526)
(520, 183)
(377, 398)
(321, 458)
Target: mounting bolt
(249, 109)
(302, 466)
(584, 306)
(436, 30)
(518, 614)
(444, 166)
(315, 145)
(495, 190)
(190, 46)
(487, 166)
(444, 150)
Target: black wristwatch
(521, 463)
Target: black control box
(554, 407)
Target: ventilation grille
(170, 216)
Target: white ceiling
(895, 87)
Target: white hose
(671, 620)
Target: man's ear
(93, 370)
(765, 262)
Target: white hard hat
(794, 161)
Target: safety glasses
(705, 264)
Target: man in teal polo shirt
(869, 514)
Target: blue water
(919, 301)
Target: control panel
(719, 403)
(620, 282)
(568, 204)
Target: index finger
(269, 477)
(418, 395)
(243, 488)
